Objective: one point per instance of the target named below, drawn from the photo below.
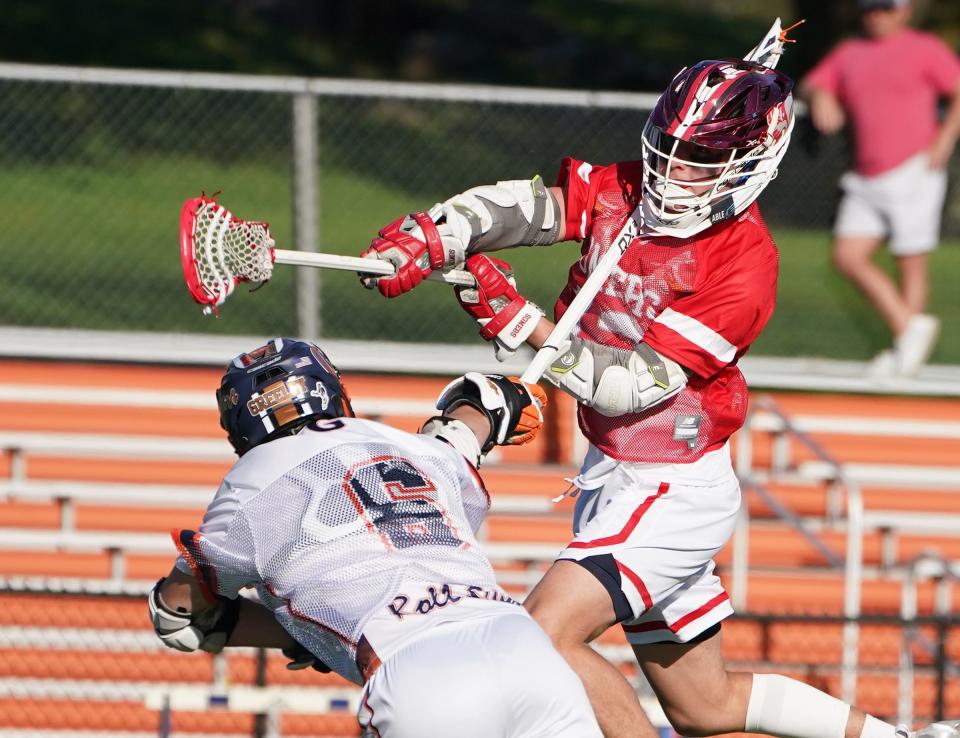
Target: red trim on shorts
(370, 725)
(699, 612)
(638, 583)
(678, 625)
(628, 528)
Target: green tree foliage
(613, 44)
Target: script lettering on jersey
(399, 503)
(481, 593)
(628, 288)
(440, 596)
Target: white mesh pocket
(228, 248)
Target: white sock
(873, 728)
(784, 707)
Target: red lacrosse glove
(413, 245)
(505, 317)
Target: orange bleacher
(791, 578)
(56, 714)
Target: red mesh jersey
(700, 301)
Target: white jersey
(350, 528)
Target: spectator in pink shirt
(886, 85)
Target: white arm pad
(181, 630)
(615, 382)
(457, 434)
(518, 212)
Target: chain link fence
(84, 661)
(94, 165)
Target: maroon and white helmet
(731, 120)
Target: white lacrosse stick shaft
(598, 277)
(362, 266)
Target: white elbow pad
(518, 212)
(613, 381)
(208, 630)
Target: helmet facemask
(702, 172)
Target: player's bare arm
(486, 218)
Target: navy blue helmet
(276, 389)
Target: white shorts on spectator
(904, 205)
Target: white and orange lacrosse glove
(514, 409)
(415, 246)
(505, 316)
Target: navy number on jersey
(399, 503)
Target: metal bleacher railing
(845, 510)
(945, 574)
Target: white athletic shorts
(497, 676)
(904, 204)
(649, 533)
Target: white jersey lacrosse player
(360, 540)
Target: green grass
(820, 314)
(96, 248)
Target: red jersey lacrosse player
(653, 366)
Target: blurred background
(95, 163)
(328, 120)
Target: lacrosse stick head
(219, 251)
